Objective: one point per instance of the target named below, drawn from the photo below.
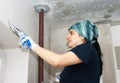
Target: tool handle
(21, 34)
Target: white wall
(16, 70)
(116, 42)
(3, 59)
(22, 13)
(14, 66)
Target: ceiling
(69, 11)
(66, 12)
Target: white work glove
(27, 43)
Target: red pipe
(41, 43)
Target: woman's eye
(71, 33)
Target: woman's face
(74, 39)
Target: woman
(82, 64)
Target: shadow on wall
(7, 38)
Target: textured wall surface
(106, 44)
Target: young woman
(82, 64)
